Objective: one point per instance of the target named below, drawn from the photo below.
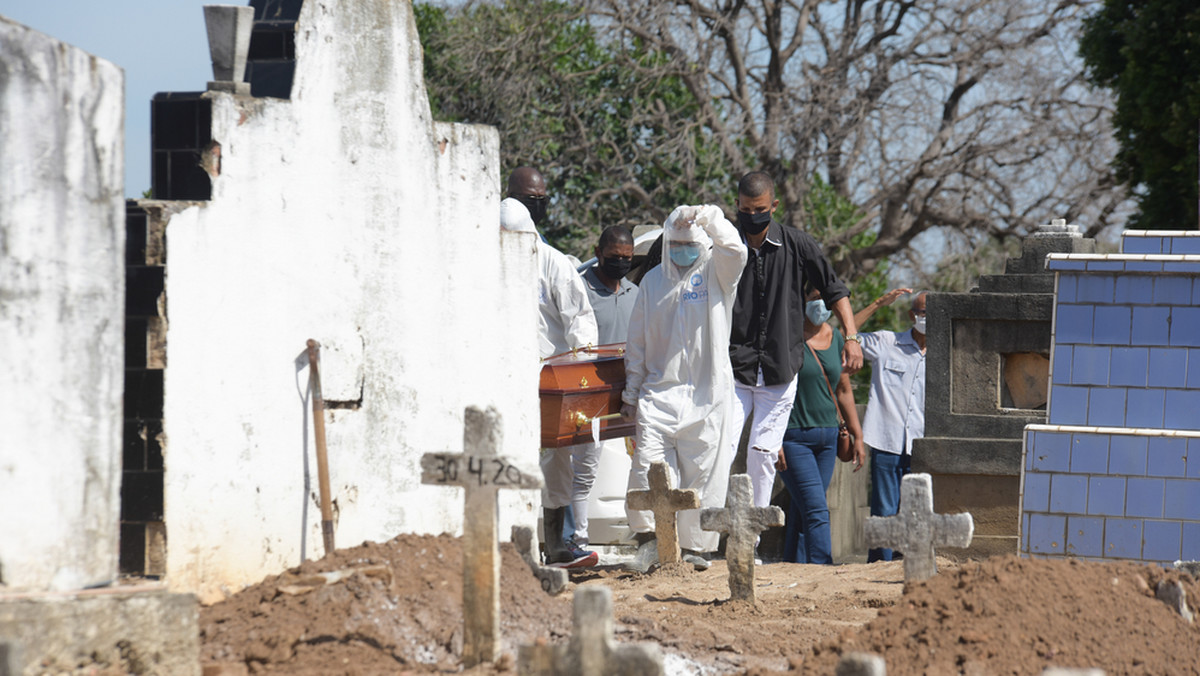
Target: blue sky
(160, 44)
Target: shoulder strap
(821, 366)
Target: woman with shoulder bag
(811, 443)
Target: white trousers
(768, 407)
(568, 474)
(695, 462)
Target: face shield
(685, 244)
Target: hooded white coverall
(565, 321)
(677, 369)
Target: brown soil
(401, 612)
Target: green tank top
(813, 406)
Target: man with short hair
(565, 322)
(612, 298)
(896, 410)
(766, 346)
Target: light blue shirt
(896, 411)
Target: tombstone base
(235, 88)
(980, 476)
(138, 629)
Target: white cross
(482, 472)
(916, 530)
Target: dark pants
(886, 471)
(810, 453)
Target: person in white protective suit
(565, 321)
(678, 379)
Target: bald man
(566, 321)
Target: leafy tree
(1148, 53)
(963, 115)
(616, 145)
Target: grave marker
(553, 580)
(592, 650)
(664, 501)
(481, 471)
(861, 664)
(916, 530)
(743, 522)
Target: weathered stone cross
(592, 650)
(553, 580)
(664, 501)
(916, 530)
(743, 522)
(481, 471)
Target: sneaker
(575, 557)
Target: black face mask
(752, 224)
(536, 207)
(615, 268)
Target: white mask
(919, 324)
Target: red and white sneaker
(574, 556)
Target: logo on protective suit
(696, 291)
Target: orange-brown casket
(579, 386)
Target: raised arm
(888, 298)
(728, 253)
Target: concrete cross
(481, 471)
(916, 530)
(553, 580)
(743, 522)
(664, 501)
(592, 650)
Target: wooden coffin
(578, 386)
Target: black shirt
(768, 316)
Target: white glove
(708, 215)
(681, 218)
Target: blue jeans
(886, 471)
(810, 453)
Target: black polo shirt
(768, 316)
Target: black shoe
(643, 538)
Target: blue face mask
(684, 255)
(816, 312)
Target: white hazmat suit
(677, 369)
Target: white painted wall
(62, 298)
(346, 215)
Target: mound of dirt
(1019, 616)
(396, 607)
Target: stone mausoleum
(987, 370)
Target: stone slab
(988, 457)
(992, 501)
(138, 630)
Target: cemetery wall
(62, 293)
(1115, 474)
(346, 215)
